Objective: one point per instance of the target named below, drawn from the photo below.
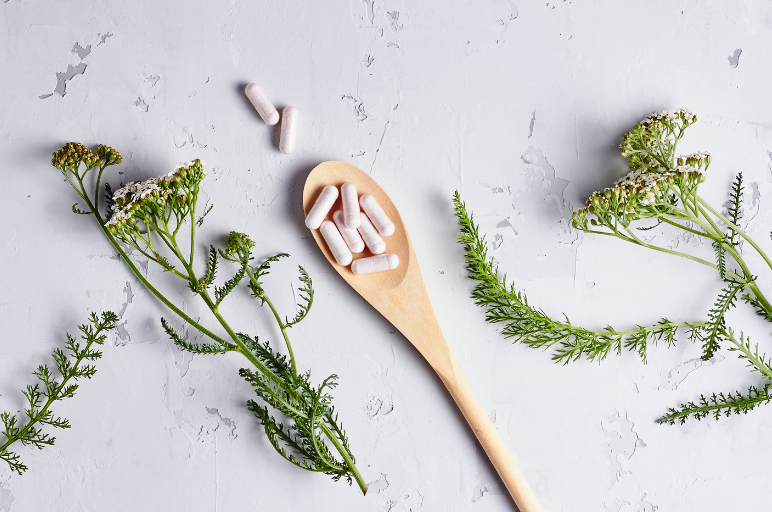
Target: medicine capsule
(351, 236)
(262, 104)
(377, 215)
(374, 242)
(289, 130)
(375, 264)
(321, 207)
(336, 243)
(348, 194)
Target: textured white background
(519, 106)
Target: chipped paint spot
(378, 407)
(393, 17)
(213, 412)
(370, 10)
(82, 52)
(359, 108)
(408, 502)
(124, 337)
(530, 126)
(367, 60)
(6, 498)
(621, 441)
(734, 59)
(62, 78)
(379, 485)
(670, 379)
(140, 104)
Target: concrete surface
(519, 106)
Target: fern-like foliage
(757, 306)
(312, 419)
(735, 207)
(717, 405)
(76, 361)
(306, 298)
(220, 292)
(261, 271)
(714, 332)
(198, 348)
(718, 246)
(209, 273)
(756, 361)
(531, 326)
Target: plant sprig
(662, 187)
(149, 217)
(76, 361)
(526, 324)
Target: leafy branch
(72, 363)
(531, 326)
(717, 405)
(149, 217)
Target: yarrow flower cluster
(657, 178)
(143, 200)
(651, 143)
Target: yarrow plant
(76, 361)
(157, 218)
(660, 189)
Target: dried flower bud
(69, 157)
(108, 155)
(238, 244)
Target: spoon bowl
(337, 174)
(400, 295)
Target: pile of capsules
(352, 229)
(289, 117)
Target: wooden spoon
(400, 295)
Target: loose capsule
(377, 215)
(262, 104)
(375, 264)
(336, 243)
(374, 242)
(351, 236)
(289, 130)
(348, 194)
(321, 207)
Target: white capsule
(336, 243)
(351, 236)
(289, 130)
(262, 104)
(377, 215)
(348, 194)
(374, 242)
(375, 264)
(321, 207)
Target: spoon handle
(490, 439)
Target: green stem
(637, 241)
(283, 327)
(739, 231)
(346, 457)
